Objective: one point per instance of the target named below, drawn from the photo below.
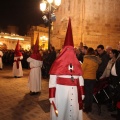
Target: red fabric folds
(17, 63)
(52, 92)
(82, 90)
(17, 50)
(118, 105)
(69, 36)
(62, 62)
(36, 55)
(67, 81)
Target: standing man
(83, 52)
(66, 83)
(17, 66)
(105, 58)
(35, 62)
(1, 64)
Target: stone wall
(93, 22)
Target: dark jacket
(105, 58)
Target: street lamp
(49, 7)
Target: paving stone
(17, 104)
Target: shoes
(34, 93)
(114, 115)
(17, 77)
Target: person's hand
(52, 99)
(83, 96)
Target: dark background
(21, 13)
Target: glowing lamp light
(15, 38)
(43, 38)
(57, 2)
(50, 1)
(43, 6)
(51, 7)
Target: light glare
(57, 2)
(43, 6)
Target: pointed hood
(17, 52)
(69, 37)
(36, 55)
(67, 63)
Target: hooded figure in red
(17, 66)
(66, 90)
(35, 62)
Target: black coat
(105, 58)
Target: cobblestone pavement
(17, 104)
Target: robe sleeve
(21, 57)
(52, 87)
(81, 82)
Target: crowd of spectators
(108, 69)
(8, 58)
(48, 57)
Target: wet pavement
(17, 104)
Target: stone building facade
(94, 22)
(43, 35)
(9, 41)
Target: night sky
(22, 13)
